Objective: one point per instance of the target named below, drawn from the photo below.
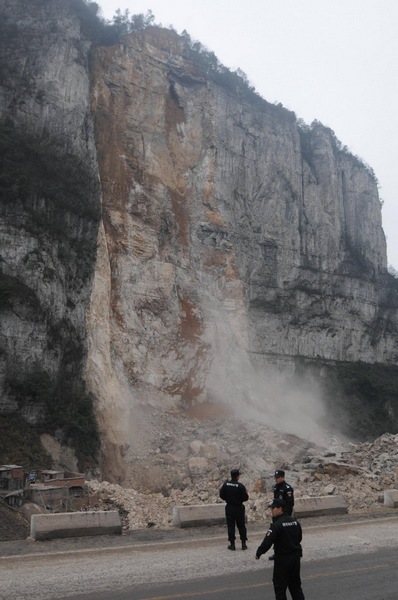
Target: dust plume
(260, 392)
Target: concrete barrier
(197, 515)
(321, 505)
(77, 524)
(391, 498)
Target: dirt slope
(13, 525)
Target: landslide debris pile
(190, 468)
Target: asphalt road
(342, 560)
(356, 577)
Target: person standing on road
(234, 493)
(283, 491)
(285, 534)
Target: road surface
(351, 561)
(355, 577)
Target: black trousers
(287, 576)
(236, 515)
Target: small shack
(57, 490)
(12, 483)
(12, 477)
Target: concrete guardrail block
(321, 505)
(197, 515)
(77, 524)
(391, 498)
(214, 514)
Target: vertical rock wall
(233, 240)
(49, 212)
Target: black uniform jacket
(284, 491)
(234, 493)
(286, 535)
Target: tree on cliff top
(123, 23)
(104, 32)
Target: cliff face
(228, 234)
(49, 213)
(232, 242)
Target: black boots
(232, 546)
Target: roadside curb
(31, 549)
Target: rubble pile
(360, 473)
(189, 468)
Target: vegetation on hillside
(102, 33)
(20, 444)
(65, 411)
(33, 167)
(306, 135)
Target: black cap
(278, 504)
(279, 473)
(235, 473)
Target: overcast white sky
(331, 60)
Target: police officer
(286, 535)
(283, 491)
(234, 493)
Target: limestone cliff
(49, 215)
(232, 242)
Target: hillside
(13, 525)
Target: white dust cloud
(287, 404)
